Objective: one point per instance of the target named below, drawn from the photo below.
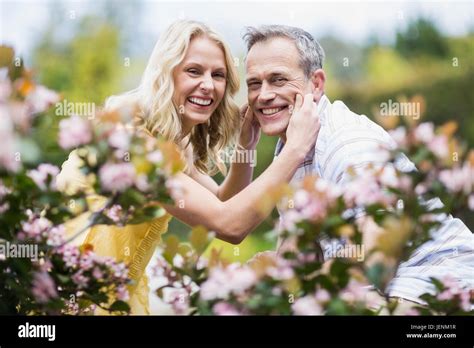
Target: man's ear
(318, 78)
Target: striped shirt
(350, 140)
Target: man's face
(274, 77)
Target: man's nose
(207, 84)
(266, 93)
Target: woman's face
(200, 81)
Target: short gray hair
(310, 51)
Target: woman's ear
(318, 78)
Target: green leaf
(199, 239)
(171, 248)
(119, 306)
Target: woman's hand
(250, 129)
(304, 124)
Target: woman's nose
(206, 83)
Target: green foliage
(421, 37)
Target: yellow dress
(132, 244)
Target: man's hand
(304, 125)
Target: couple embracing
(186, 96)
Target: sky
(353, 21)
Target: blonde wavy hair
(154, 98)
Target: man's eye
(280, 79)
(254, 85)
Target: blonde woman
(186, 96)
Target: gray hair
(310, 51)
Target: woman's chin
(196, 119)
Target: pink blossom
(364, 190)
(80, 279)
(41, 175)
(458, 179)
(70, 254)
(120, 270)
(114, 213)
(470, 202)
(41, 98)
(97, 273)
(179, 300)
(73, 132)
(43, 287)
(289, 219)
(307, 306)
(120, 139)
(122, 293)
(117, 177)
(399, 135)
(224, 281)
(354, 292)
(224, 308)
(446, 295)
(439, 146)
(142, 183)
(425, 132)
(36, 228)
(56, 235)
(155, 156)
(322, 296)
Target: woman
(186, 96)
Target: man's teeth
(271, 111)
(200, 101)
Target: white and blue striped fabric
(350, 140)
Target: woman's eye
(193, 71)
(219, 75)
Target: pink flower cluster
(41, 99)
(312, 205)
(91, 268)
(37, 228)
(74, 131)
(41, 175)
(458, 179)
(117, 177)
(424, 134)
(453, 291)
(311, 304)
(222, 282)
(369, 188)
(43, 287)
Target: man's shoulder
(342, 124)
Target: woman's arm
(233, 219)
(241, 167)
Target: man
(283, 61)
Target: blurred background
(375, 52)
